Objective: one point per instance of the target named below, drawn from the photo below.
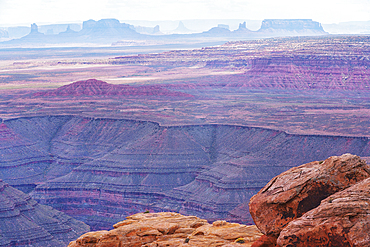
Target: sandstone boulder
(291, 194)
(343, 219)
(265, 241)
(170, 229)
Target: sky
(25, 12)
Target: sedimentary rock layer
(338, 62)
(24, 222)
(101, 170)
(22, 162)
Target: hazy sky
(56, 11)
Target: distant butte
(93, 87)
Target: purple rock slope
(101, 170)
(24, 222)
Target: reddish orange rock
(298, 190)
(170, 229)
(89, 239)
(265, 241)
(343, 219)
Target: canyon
(321, 203)
(100, 170)
(300, 85)
(24, 222)
(101, 134)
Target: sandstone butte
(322, 203)
(170, 229)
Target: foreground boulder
(300, 189)
(170, 229)
(343, 219)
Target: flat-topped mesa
(93, 87)
(24, 222)
(108, 27)
(291, 25)
(170, 229)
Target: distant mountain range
(108, 31)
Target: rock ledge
(170, 229)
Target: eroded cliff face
(101, 170)
(24, 222)
(23, 161)
(321, 203)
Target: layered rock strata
(334, 63)
(24, 222)
(100, 170)
(170, 229)
(22, 162)
(206, 171)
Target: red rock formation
(24, 222)
(265, 241)
(93, 87)
(300, 189)
(342, 219)
(170, 229)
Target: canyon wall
(101, 170)
(24, 222)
